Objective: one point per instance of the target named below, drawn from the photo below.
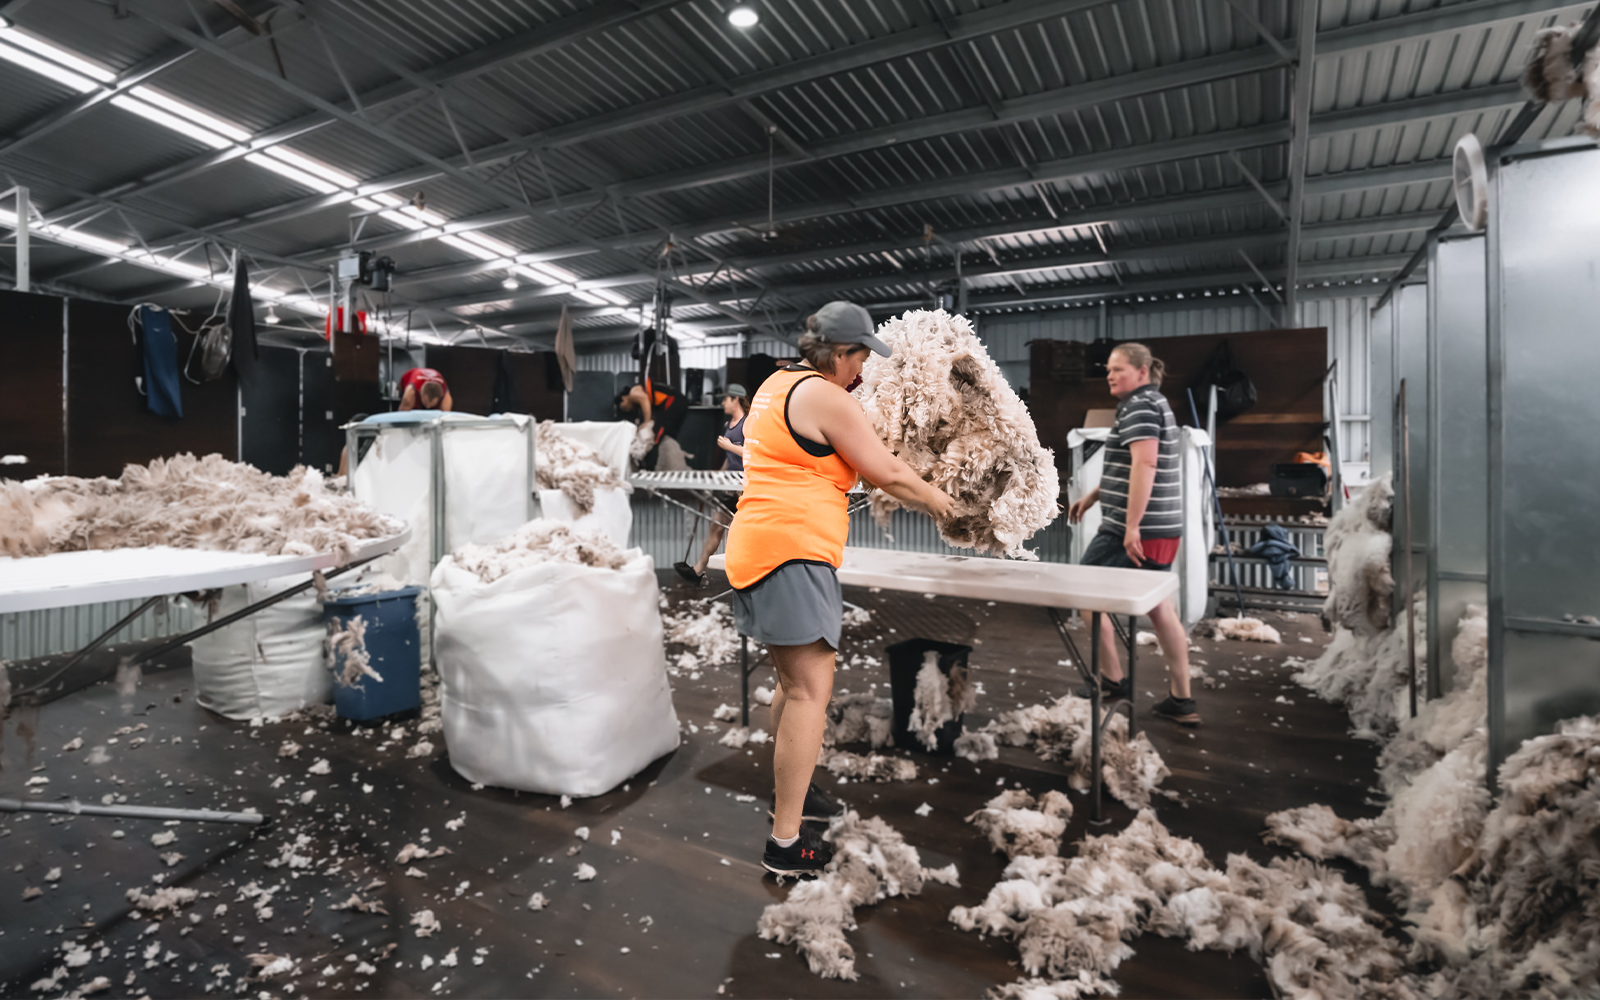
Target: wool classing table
(1055, 587)
(68, 579)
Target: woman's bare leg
(799, 718)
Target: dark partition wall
(108, 424)
(32, 404)
(593, 396)
(471, 373)
(269, 428)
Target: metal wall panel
(1411, 504)
(28, 634)
(1544, 579)
(1380, 386)
(1458, 436)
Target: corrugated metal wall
(28, 634)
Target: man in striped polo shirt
(1141, 516)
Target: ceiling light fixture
(511, 283)
(743, 16)
(272, 316)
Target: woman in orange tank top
(806, 443)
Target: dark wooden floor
(674, 908)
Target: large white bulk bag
(610, 439)
(268, 664)
(612, 514)
(554, 676)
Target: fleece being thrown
(941, 404)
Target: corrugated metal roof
(1099, 147)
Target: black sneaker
(805, 858)
(1179, 710)
(820, 807)
(687, 572)
(1109, 689)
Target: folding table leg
(1132, 645)
(1094, 714)
(744, 680)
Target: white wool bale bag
(612, 514)
(554, 676)
(268, 664)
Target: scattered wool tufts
(762, 694)
(1240, 630)
(867, 767)
(188, 503)
(860, 718)
(425, 922)
(572, 467)
(1071, 918)
(706, 629)
(1017, 824)
(943, 406)
(540, 542)
(939, 698)
(537, 902)
(1550, 76)
(725, 712)
(1060, 730)
(857, 617)
(738, 736)
(164, 899)
(871, 863)
(976, 747)
(350, 643)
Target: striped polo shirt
(1143, 415)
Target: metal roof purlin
(1300, 120)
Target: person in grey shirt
(1141, 517)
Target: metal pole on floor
(76, 808)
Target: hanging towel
(1277, 550)
(242, 320)
(566, 353)
(505, 387)
(160, 349)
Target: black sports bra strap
(810, 447)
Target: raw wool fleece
(1238, 629)
(862, 718)
(1550, 76)
(1017, 824)
(351, 643)
(871, 862)
(939, 698)
(1071, 918)
(942, 405)
(572, 467)
(187, 503)
(866, 767)
(1061, 731)
(705, 629)
(540, 542)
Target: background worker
(731, 443)
(1141, 510)
(668, 409)
(425, 389)
(807, 442)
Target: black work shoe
(805, 858)
(820, 807)
(1179, 710)
(1109, 689)
(687, 572)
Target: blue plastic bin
(394, 648)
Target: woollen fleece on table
(572, 467)
(942, 405)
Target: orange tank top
(794, 507)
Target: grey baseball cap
(735, 389)
(847, 323)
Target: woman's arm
(838, 418)
(726, 445)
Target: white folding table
(94, 576)
(1098, 590)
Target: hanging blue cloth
(160, 348)
(1277, 550)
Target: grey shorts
(797, 604)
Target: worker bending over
(1141, 510)
(667, 408)
(425, 389)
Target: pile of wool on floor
(705, 629)
(1132, 770)
(1366, 666)
(1072, 918)
(541, 542)
(871, 863)
(1550, 76)
(942, 405)
(572, 467)
(187, 503)
(1018, 824)
(1238, 629)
